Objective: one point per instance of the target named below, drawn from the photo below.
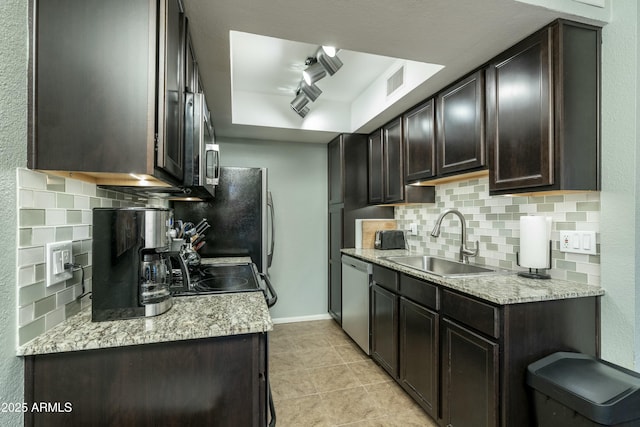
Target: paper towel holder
(535, 273)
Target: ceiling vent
(395, 81)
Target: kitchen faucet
(465, 252)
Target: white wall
(298, 183)
(13, 153)
(620, 232)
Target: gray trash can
(577, 390)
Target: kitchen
(305, 165)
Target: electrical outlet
(413, 229)
(580, 242)
(58, 255)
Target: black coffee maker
(131, 270)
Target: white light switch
(57, 256)
(580, 242)
(575, 239)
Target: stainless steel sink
(444, 267)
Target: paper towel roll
(535, 233)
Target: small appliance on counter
(366, 230)
(131, 270)
(389, 239)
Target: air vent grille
(395, 81)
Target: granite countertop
(190, 317)
(500, 289)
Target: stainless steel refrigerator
(240, 214)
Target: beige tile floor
(319, 377)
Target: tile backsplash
(54, 209)
(494, 221)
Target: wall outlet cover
(56, 256)
(579, 242)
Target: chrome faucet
(465, 252)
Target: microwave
(201, 153)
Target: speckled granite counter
(498, 289)
(193, 317)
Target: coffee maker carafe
(131, 270)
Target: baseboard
(301, 318)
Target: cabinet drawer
(478, 315)
(385, 277)
(424, 293)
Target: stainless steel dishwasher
(356, 285)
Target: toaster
(389, 239)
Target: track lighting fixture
(303, 112)
(314, 72)
(311, 91)
(322, 63)
(326, 56)
(299, 103)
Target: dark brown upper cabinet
(543, 113)
(336, 166)
(375, 167)
(386, 177)
(393, 162)
(420, 142)
(460, 126)
(109, 103)
(386, 157)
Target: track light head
(311, 91)
(313, 73)
(326, 56)
(303, 112)
(299, 104)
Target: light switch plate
(56, 256)
(579, 242)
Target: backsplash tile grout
(53, 209)
(495, 222)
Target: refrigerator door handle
(272, 228)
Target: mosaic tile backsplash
(54, 209)
(494, 221)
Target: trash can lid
(598, 390)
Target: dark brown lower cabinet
(336, 227)
(419, 354)
(384, 329)
(470, 367)
(464, 359)
(213, 382)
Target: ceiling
(266, 74)
(459, 34)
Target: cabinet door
(384, 329)
(419, 354)
(420, 142)
(375, 167)
(163, 384)
(393, 164)
(336, 170)
(460, 113)
(95, 87)
(335, 266)
(170, 155)
(519, 115)
(469, 378)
